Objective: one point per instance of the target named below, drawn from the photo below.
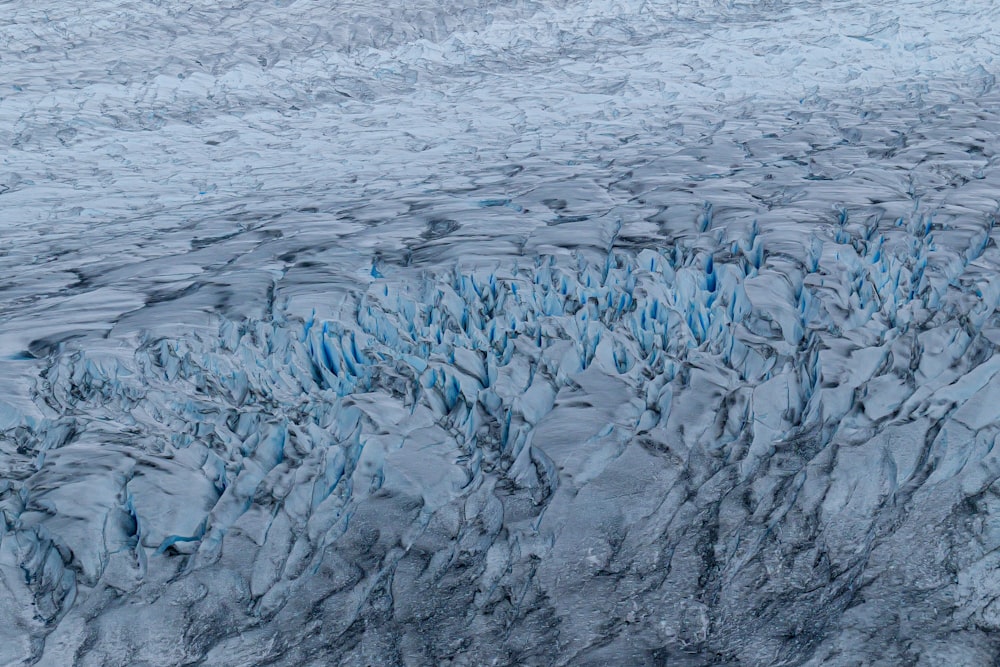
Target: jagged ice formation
(525, 334)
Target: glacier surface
(481, 333)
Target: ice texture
(482, 333)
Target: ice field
(499, 333)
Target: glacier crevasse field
(481, 333)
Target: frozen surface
(512, 333)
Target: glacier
(468, 333)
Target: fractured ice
(580, 334)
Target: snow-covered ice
(521, 333)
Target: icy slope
(563, 333)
